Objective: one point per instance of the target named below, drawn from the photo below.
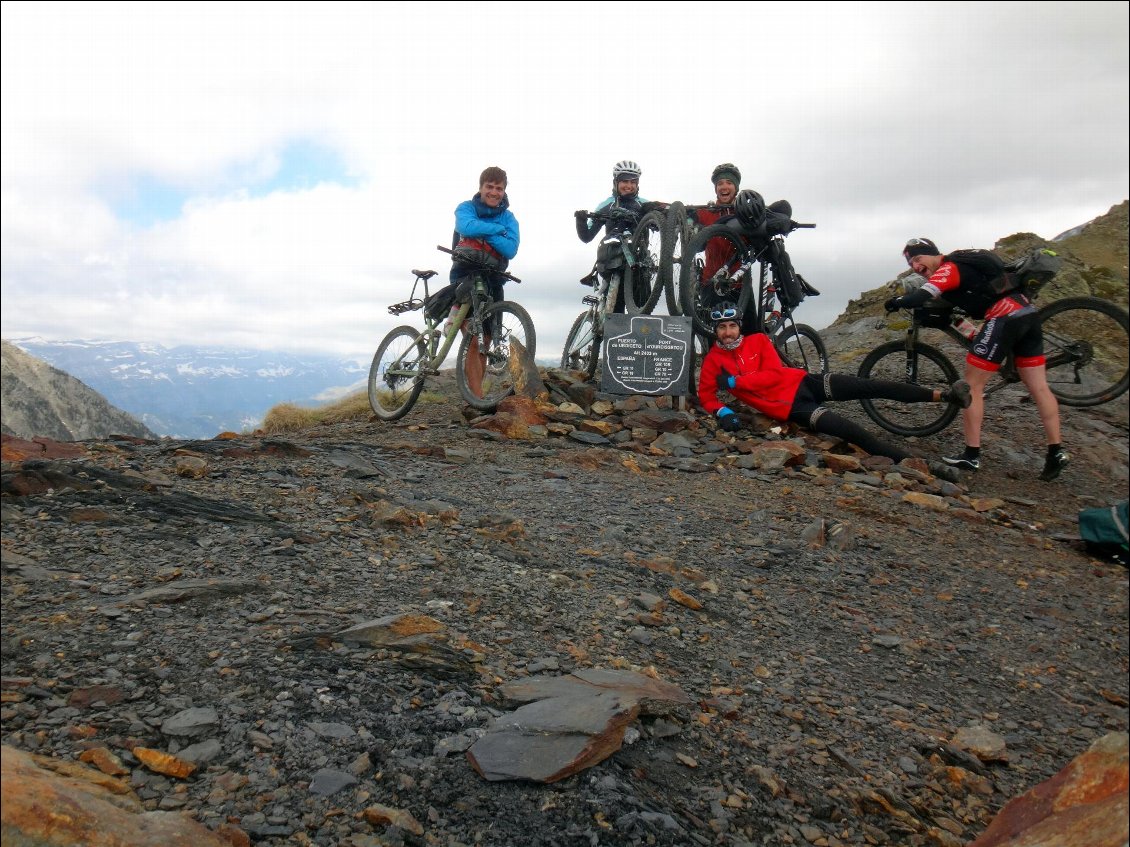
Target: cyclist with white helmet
(625, 199)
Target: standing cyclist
(627, 207)
(487, 230)
(1012, 325)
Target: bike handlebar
(612, 214)
(478, 263)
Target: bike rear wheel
(923, 365)
(697, 298)
(395, 379)
(676, 234)
(1086, 343)
(642, 295)
(800, 346)
(511, 326)
(582, 345)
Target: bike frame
(1007, 375)
(438, 343)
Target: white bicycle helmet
(626, 169)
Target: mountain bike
(1085, 343)
(717, 265)
(406, 357)
(628, 262)
(628, 256)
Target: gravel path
(873, 659)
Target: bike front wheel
(800, 346)
(676, 234)
(510, 328)
(582, 345)
(643, 292)
(922, 365)
(1086, 343)
(395, 377)
(708, 275)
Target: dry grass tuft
(287, 417)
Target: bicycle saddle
(808, 289)
(424, 274)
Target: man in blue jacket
(487, 230)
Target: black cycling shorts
(1017, 332)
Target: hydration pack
(1034, 271)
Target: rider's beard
(731, 345)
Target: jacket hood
(485, 211)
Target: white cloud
(962, 121)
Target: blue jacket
(497, 227)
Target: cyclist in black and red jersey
(1012, 325)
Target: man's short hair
(492, 174)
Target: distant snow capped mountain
(199, 392)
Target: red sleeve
(946, 278)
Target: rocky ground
(870, 655)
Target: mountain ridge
(42, 400)
(197, 392)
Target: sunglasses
(724, 315)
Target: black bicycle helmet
(749, 206)
(724, 311)
(728, 170)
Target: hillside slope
(39, 400)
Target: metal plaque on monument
(646, 354)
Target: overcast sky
(266, 175)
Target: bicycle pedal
(590, 300)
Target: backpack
(983, 281)
(988, 266)
(1104, 530)
(1034, 271)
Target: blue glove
(727, 420)
(726, 381)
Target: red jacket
(762, 381)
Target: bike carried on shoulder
(406, 357)
(1086, 343)
(717, 265)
